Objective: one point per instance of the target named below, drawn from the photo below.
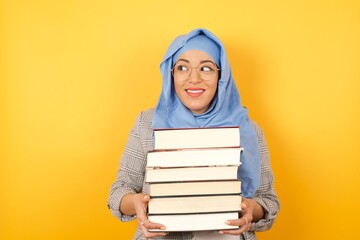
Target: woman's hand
(251, 210)
(140, 202)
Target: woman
(198, 90)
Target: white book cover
(197, 137)
(191, 174)
(194, 157)
(194, 204)
(195, 188)
(194, 222)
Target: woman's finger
(151, 225)
(146, 225)
(244, 223)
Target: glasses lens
(205, 71)
(181, 72)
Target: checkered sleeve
(265, 195)
(130, 175)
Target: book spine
(196, 195)
(195, 213)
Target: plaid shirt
(131, 179)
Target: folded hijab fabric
(225, 110)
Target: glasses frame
(191, 68)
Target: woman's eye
(206, 69)
(182, 68)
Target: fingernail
(227, 222)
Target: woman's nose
(194, 76)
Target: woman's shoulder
(259, 131)
(144, 130)
(255, 125)
(146, 116)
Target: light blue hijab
(225, 110)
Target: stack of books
(192, 174)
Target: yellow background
(75, 73)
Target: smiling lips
(195, 92)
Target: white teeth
(195, 91)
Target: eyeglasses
(206, 71)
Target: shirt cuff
(265, 223)
(114, 204)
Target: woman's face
(198, 89)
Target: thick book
(194, 222)
(191, 174)
(195, 188)
(194, 157)
(178, 138)
(194, 204)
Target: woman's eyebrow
(182, 59)
(203, 61)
